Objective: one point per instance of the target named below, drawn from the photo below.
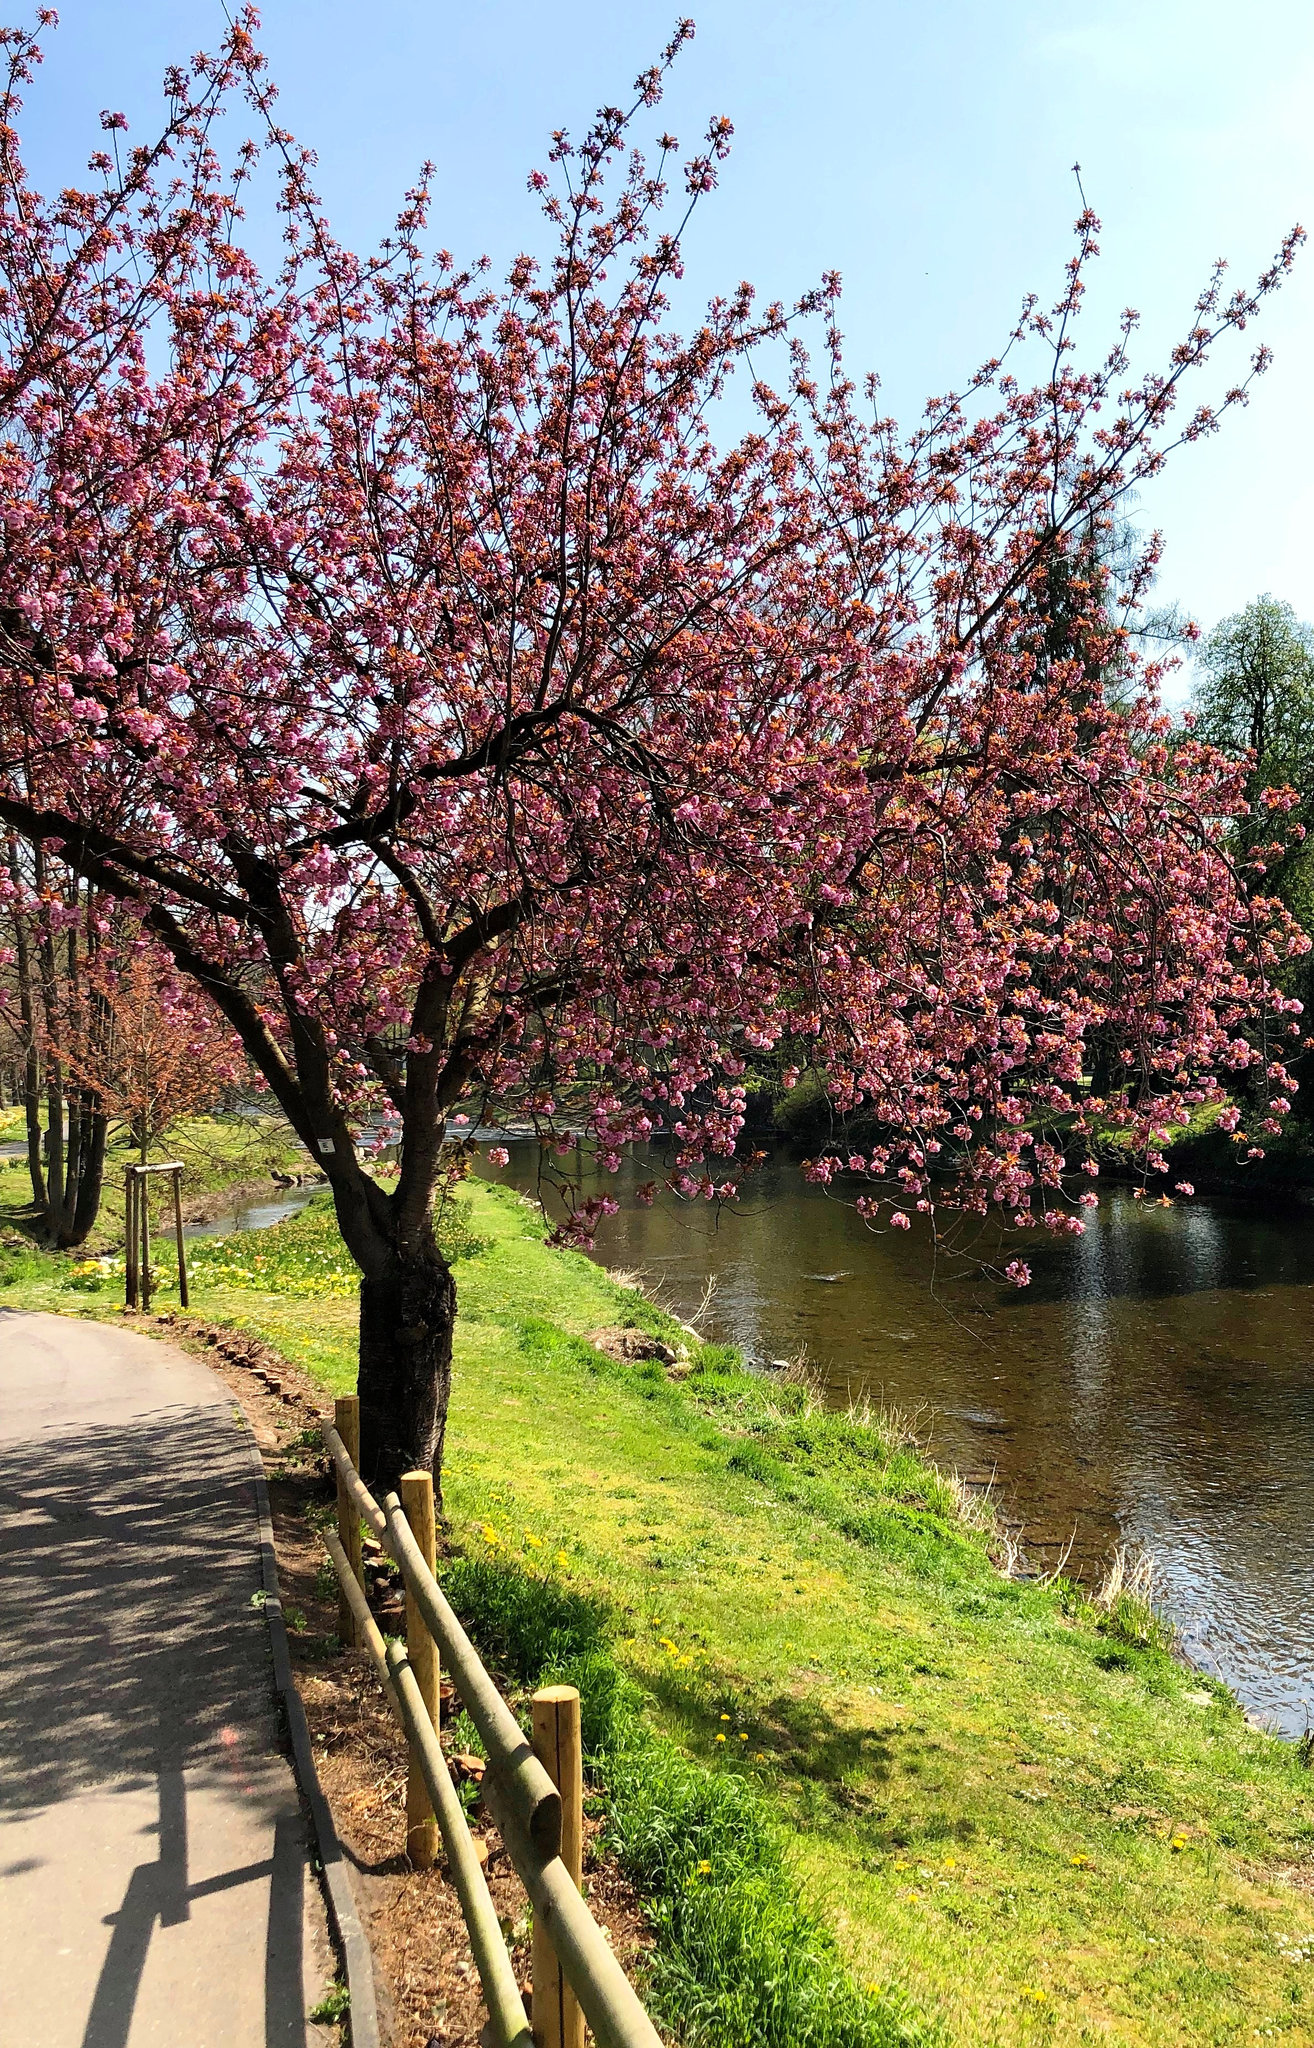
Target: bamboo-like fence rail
(534, 1791)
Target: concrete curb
(356, 1957)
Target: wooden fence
(533, 1790)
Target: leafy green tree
(1255, 692)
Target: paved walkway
(154, 1863)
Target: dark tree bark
(68, 1181)
(407, 1312)
(92, 1179)
(31, 1050)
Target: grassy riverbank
(1018, 1812)
(221, 1154)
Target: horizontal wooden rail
(506, 2009)
(370, 1635)
(608, 1999)
(510, 1757)
(517, 1789)
(361, 1498)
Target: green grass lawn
(1032, 1820)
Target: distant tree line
(1254, 696)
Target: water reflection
(1154, 1383)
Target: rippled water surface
(1154, 1384)
(256, 1213)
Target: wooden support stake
(346, 1420)
(130, 1236)
(184, 1300)
(422, 1653)
(144, 1211)
(558, 2021)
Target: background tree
(1254, 696)
(54, 1008)
(157, 1053)
(466, 722)
(105, 1032)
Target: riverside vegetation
(874, 1791)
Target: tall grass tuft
(1125, 1602)
(742, 1960)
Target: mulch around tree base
(429, 1994)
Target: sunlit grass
(742, 1955)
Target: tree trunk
(72, 1168)
(32, 1113)
(54, 1143)
(31, 1048)
(407, 1310)
(92, 1179)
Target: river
(1154, 1385)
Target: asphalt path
(155, 1875)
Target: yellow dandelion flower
(725, 1717)
(489, 1534)
(720, 1738)
(535, 1542)
(704, 1868)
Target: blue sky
(923, 150)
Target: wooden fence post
(557, 2019)
(421, 1827)
(184, 1300)
(130, 1236)
(346, 1420)
(144, 1212)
